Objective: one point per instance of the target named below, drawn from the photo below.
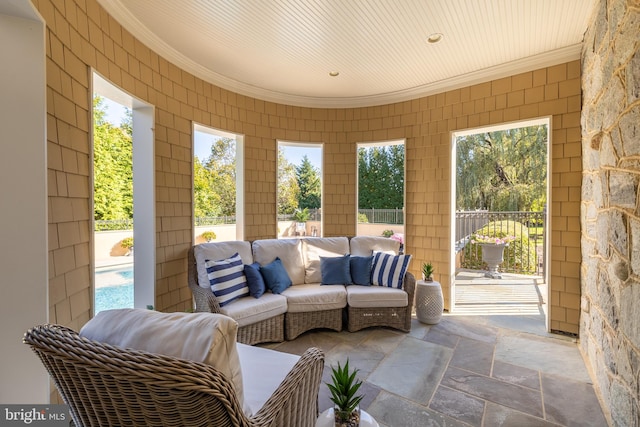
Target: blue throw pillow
(275, 276)
(255, 281)
(361, 270)
(335, 270)
(389, 270)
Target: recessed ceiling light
(334, 73)
(435, 38)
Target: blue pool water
(114, 287)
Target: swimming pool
(114, 287)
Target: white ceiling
(283, 50)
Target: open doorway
(499, 199)
(123, 199)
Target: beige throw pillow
(315, 247)
(365, 245)
(215, 251)
(288, 250)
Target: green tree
(503, 170)
(206, 201)
(112, 165)
(222, 164)
(381, 177)
(308, 178)
(288, 189)
(214, 180)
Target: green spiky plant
(343, 390)
(302, 215)
(427, 271)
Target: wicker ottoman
(429, 302)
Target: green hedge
(520, 256)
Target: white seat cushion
(215, 251)
(365, 245)
(249, 310)
(315, 247)
(263, 371)
(288, 250)
(201, 337)
(315, 297)
(376, 296)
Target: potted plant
(429, 298)
(492, 252)
(427, 272)
(398, 237)
(127, 243)
(343, 395)
(209, 235)
(301, 217)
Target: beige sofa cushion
(315, 247)
(263, 370)
(315, 297)
(376, 296)
(249, 310)
(201, 337)
(215, 251)
(288, 250)
(365, 245)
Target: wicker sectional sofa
(306, 304)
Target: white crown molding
(23, 9)
(546, 59)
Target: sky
(114, 111)
(294, 154)
(202, 142)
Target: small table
(326, 419)
(429, 302)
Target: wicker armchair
(268, 330)
(107, 386)
(392, 317)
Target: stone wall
(610, 214)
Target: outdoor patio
(514, 302)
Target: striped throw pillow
(227, 279)
(389, 270)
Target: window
(123, 199)
(217, 185)
(381, 167)
(299, 189)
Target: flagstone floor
(485, 371)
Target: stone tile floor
(465, 371)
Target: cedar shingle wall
(80, 35)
